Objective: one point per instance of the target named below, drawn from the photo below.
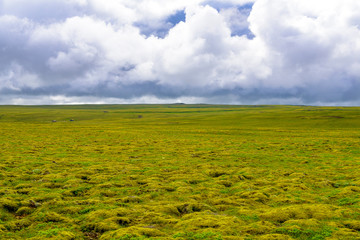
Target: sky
(301, 52)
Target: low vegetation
(179, 172)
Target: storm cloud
(158, 51)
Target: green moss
(306, 211)
(133, 232)
(51, 217)
(275, 237)
(225, 183)
(238, 172)
(123, 221)
(196, 236)
(307, 223)
(9, 204)
(105, 220)
(170, 209)
(18, 224)
(226, 225)
(186, 208)
(24, 211)
(58, 234)
(163, 220)
(216, 173)
(66, 235)
(348, 201)
(70, 210)
(258, 228)
(352, 224)
(256, 196)
(100, 226)
(131, 199)
(297, 232)
(2, 229)
(344, 233)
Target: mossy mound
(184, 208)
(258, 228)
(160, 220)
(257, 196)
(66, 235)
(24, 211)
(217, 173)
(52, 217)
(275, 237)
(100, 226)
(202, 235)
(105, 220)
(344, 234)
(352, 224)
(18, 224)
(226, 225)
(307, 211)
(133, 233)
(349, 191)
(309, 223)
(9, 204)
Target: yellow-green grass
(179, 172)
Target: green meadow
(179, 172)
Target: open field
(179, 172)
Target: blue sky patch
(245, 10)
(218, 5)
(242, 32)
(179, 16)
(247, 6)
(164, 28)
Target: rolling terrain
(179, 172)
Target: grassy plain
(179, 172)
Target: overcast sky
(191, 51)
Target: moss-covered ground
(179, 172)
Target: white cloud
(15, 77)
(302, 50)
(236, 19)
(309, 40)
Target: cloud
(309, 45)
(42, 10)
(233, 51)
